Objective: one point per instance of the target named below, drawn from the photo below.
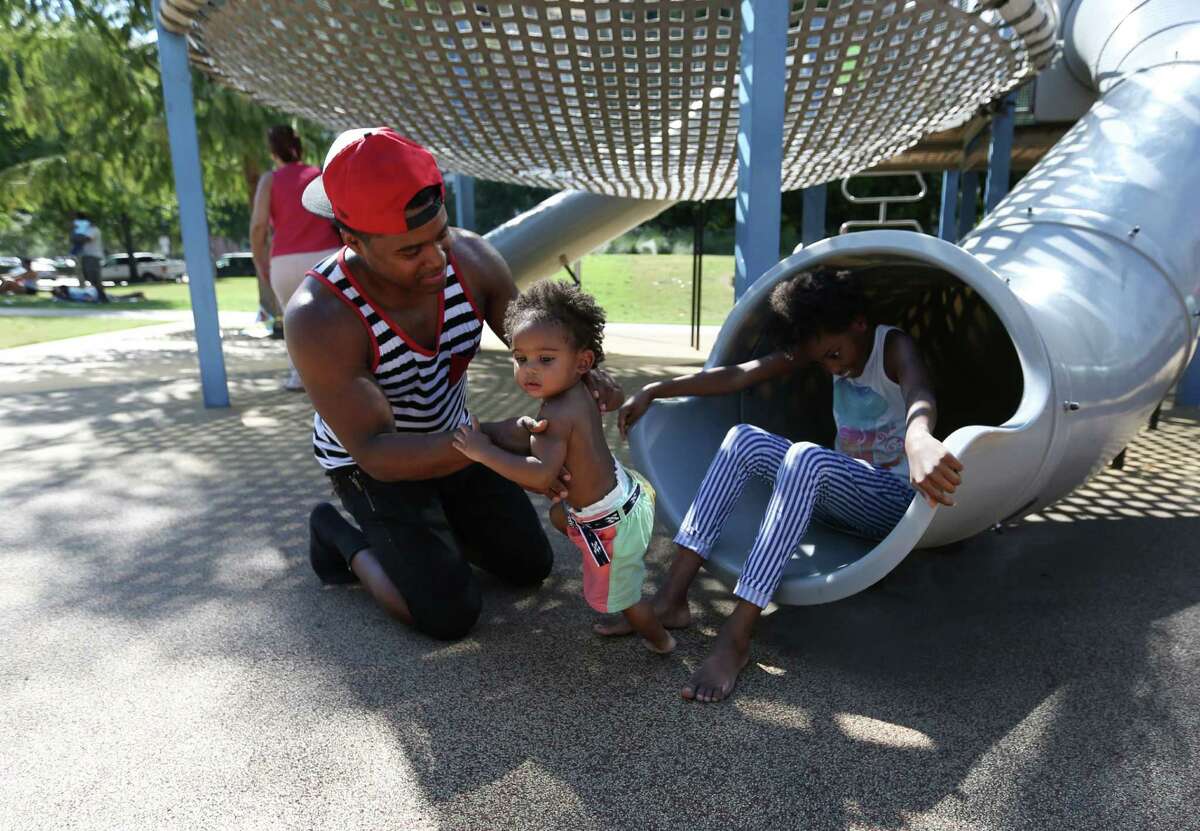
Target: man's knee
(536, 566)
(449, 617)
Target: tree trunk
(127, 239)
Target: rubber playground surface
(170, 661)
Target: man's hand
(604, 389)
(632, 410)
(472, 442)
(933, 469)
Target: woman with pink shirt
(298, 239)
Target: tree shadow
(1041, 676)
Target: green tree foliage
(82, 128)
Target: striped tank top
(427, 389)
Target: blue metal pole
(812, 217)
(948, 216)
(966, 209)
(464, 201)
(1000, 153)
(189, 188)
(1187, 394)
(760, 140)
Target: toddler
(556, 333)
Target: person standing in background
(296, 239)
(86, 238)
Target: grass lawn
(632, 288)
(18, 331)
(643, 288)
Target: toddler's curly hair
(819, 300)
(554, 301)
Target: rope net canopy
(633, 99)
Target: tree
(83, 125)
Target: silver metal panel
(565, 227)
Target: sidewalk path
(169, 351)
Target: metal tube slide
(1052, 333)
(566, 226)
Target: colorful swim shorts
(614, 543)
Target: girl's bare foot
(669, 615)
(718, 675)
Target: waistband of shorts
(613, 517)
(611, 500)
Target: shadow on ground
(1042, 677)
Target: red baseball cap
(370, 176)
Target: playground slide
(1052, 332)
(560, 230)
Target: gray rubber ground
(169, 660)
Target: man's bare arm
(332, 353)
(487, 276)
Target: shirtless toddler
(556, 332)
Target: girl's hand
(604, 389)
(933, 469)
(471, 441)
(632, 410)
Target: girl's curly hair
(553, 301)
(815, 301)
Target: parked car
(236, 264)
(43, 266)
(8, 264)
(148, 267)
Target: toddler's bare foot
(665, 646)
(671, 616)
(717, 676)
(641, 619)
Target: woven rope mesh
(635, 99)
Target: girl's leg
(746, 450)
(814, 479)
(810, 479)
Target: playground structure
(1063, 319)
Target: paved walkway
(169, 661)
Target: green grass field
(631, 288)
(18, 331)
(635, 288)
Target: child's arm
(715, 381)
(933, 469)
(537, 472)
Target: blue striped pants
(808, 480)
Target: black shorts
(426, 533)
